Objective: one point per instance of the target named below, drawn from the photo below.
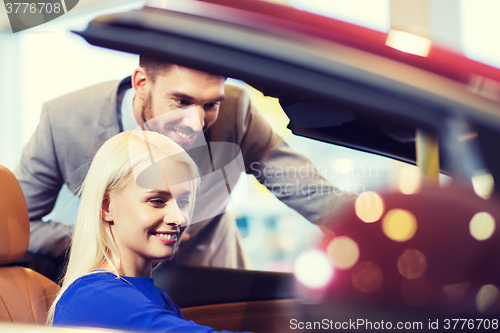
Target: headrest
(14, 219)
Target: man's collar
(107, 118)
(128, 120)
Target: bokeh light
(286, 242)
(486, 296)
(313, 269)
(412, 264)
(369, 207)
(483, 184)
(482, 226)
(399, 225)
(409, 43)
(343, 252)
(367, 277)
(456, 291)
(409, 179)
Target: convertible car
(422, 256)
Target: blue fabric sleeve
(99, 300)
(170, 304)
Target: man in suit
(74, 126)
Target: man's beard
(149, 123)
(147, 113)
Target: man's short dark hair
(153, 67)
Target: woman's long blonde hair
(113, 164)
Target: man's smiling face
(182, 103)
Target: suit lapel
(109, 119)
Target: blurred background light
(409, 179)
(369, 207)
(483, 184)
(343, 252)
(482, 226)
(486, 296)
(313, 269)
(412, 264)
(373, 14)
(343, 166)
(399, 225)
(367, 277)
(480, 27)
(408, 43)
(456, 291)
(485, 87)
(286, 241)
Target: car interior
(25, 294)
(330, 94)
(334, 93)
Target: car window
(274, 234)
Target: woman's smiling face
(146, 224)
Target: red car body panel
(439, 60)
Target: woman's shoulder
(104, 300)
(94, 295)
(99, 279)
(95, 285)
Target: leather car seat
(25, 295)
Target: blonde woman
(136, 201)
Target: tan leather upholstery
(256, 316)
(14, 219)
(25, 295)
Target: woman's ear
(106, 213)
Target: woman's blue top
(102, 300)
